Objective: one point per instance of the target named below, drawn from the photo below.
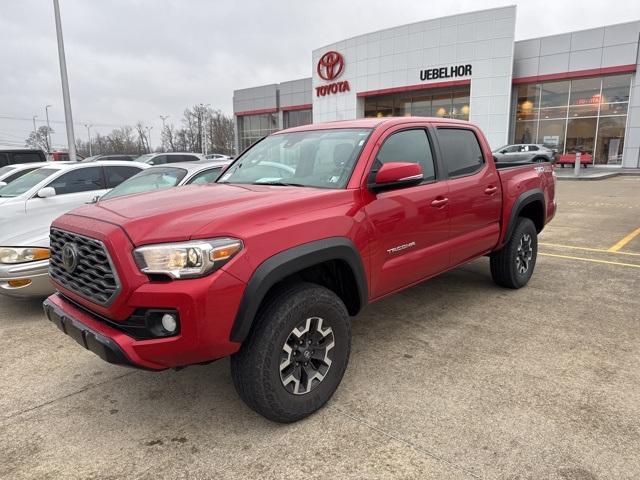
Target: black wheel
(512, 265)
(296, 355)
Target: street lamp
(35, 131)
(68, 118)
(149, 137)
(89, 135)
(163, 117)
(204, 128)
(46, 109)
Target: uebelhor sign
(453, 71)
(330, 66)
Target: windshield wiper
(280, 183)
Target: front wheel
(512, 265)
(295, 357)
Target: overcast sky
(131, 60)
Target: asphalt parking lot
(454, 378)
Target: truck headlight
(23, 254)
(190, 259)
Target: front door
(410, 225)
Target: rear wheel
(512, 265)
(296, 356)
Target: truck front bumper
(91, 339)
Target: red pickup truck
(302, 231)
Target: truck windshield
(26, 182)
(313, 158)
(155, 178)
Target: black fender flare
(525, 198)
(288, 262)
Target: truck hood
(200, 211)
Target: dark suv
(21, 155)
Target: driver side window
(410, 146)
(79, 180)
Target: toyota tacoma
(301, 231)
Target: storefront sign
(330, 67)
(454, 71)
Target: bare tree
(39, 139)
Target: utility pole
(35, 130)
(163, 117)
(68, 117)
(89, 135)
(204, 127)
(149, 137)
(46, 109)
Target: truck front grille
(82, 265)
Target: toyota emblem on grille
(70, 256)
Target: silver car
(167, 176)
(170, 157)
(29, 204)
(524, 152)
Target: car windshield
(8, 169)
(148, 180)
(26, 182)
(313, 158)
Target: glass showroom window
(436, 103)
(252, 128)
(586, 115)
(296, 118)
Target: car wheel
(296, 355)
(512, 265)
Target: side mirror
(503, 151)
(150, 162)
(47, 192)
(397, 175)
(2, 184)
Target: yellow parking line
(625, 240)
(587, 249)
(589, 260)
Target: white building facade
(574, 92)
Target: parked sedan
(167, 176)
(29, 204)
(170, 157)
(95, 158)
(524, 152)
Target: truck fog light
(169, 322)
(21, 282)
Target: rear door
(474, 191)
(410, 226)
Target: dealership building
(574, 92)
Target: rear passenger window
(461, 151)
(409, 146)
(118, 174)
(79, 180)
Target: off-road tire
(256, 367)
(507, 263)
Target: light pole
(163, 117)
(149, 137)
(204, 128)
(68, 117)
(46, 109)
(35, 130)
(89, 135)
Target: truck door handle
(439, 202)
(490, 190)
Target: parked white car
(29, 204)
(170, 157)
(12, 172)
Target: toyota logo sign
(330, 65)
